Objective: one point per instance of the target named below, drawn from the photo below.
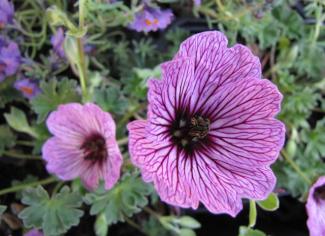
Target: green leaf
(125, 199)
(188, 222)
(111, 99)
(186, 232)
(18, 121)
(53, 94)
(101, 225)
(7, 138)
(2, 210)
(269, 204)
(54, 215)
(252, 213)
(245, 231)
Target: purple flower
(83, 145)
(34, 232)
(6, 13)
(197, 3)
(211, 134)
(10, 58)
(57, 41)
(316, 208)
(151, 19)
(28, 87)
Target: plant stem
(151, 212)
(21, 156)
(295, 167)
(23, 186)
(133, 224)
(123, 141)
(25, 143)
(82, 63)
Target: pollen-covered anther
(199, 128)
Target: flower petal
(62, 159)
(242, 125)
(170, 95)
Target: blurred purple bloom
(10, 58)
(316, 208)
(28, 87)
(57, 41)
(197, 2)
(34, 232)
(151, 19)
(211, 133)
(6, 13)
(83, 145)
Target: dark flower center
(186, 133)
(319, 193)
(94, 148)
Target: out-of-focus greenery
(119, 65)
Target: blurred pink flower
(211, 134)
(34, 232)
(316, 208)
(83, 145)
(10, 58)
(6, 12)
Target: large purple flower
(151, 19)
(316, 208)
(10, 58)
(28, 87)
(6, 13)
(211, 134)
(83, 145)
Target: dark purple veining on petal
(94, 148)
(319, 193)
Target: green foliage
(246, 231)
(54, 215)
(2, 210)
(54, 93)
(271, 203)
(7, 138)
(182, 226)
(111, 99)
(124, 200)
(18, 121)
(315, 140)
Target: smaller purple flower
(316, 208)
(151, 19)
(6, 13)
(28, 87)
(83, 145)
(10, 58)
(34, 232)
(57, 41)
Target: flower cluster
(6, 13)
(211, 134)
(151, 19)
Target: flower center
(319, 193)
(94, 148)
(188, 132)
(27, 90)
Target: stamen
(199, 127)
(148, 22)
